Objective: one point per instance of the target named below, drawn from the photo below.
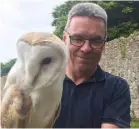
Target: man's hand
(108, 125)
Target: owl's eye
(47, 60)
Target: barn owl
(32, 93)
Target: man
(91, 97)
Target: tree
(5, 68)
(122, 17)
(60, 16)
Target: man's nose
(86, 48)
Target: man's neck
(79, 76)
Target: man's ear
(64, 37)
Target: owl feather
(32, 93)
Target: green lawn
(135, 124)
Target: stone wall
(121, 57)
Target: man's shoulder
(116, 81)
(112, 76)
(115, 86)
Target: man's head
(85, 21)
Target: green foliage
(60, 16)
(124, 29)
(5, 68)
(108, 5)
(134, 123)
(127, 10)
(61, 24)
(122, 17)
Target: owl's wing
(15, 108)
(54, 118)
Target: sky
(18, 17)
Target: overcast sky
(20, 16)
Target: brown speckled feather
(36, 38)
(16, 112)
(56, 115)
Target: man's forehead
(84, 25)
(93, 19)
(87, 33)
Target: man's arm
(108, 125)
(117, 112)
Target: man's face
(84, 57)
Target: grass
(134, 123)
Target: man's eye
(78, 39)
(96, 40)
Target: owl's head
(42, 58)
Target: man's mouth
(85, 58)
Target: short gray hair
(87, 9)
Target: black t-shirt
(102, 98)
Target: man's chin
(82, 67)
(82, 61)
